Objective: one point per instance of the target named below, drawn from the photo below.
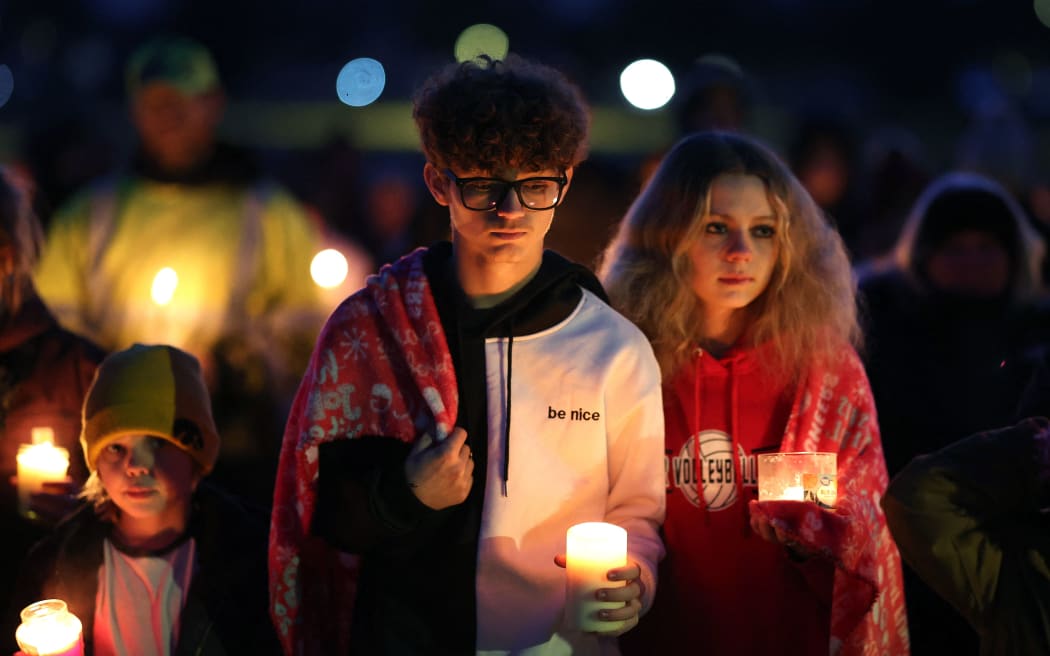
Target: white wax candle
(793, 493)
(39, 464)
(42, 434)
(49, 629)
(591, 550)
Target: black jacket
(364, 505)
(226, 609)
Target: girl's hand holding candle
(772, 533)
(793, 477)
(800, 476)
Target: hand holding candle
(38, 463)
(602, 591)
(801, 476)
(787, 477)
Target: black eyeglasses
(485, 194)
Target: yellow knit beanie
(150, 390)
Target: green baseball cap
(176, 60)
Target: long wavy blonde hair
(807, 313)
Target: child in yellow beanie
(157, 561)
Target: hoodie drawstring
(506, 426)
(701, 501)
(734, 445)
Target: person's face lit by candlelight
(149, 479)
(736, 250)
(495, 221)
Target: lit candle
(38, 463)
(801, 476)
(163, 288)
(591, 550)
(42, 434)
(49, 629)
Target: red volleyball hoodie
(723, 589)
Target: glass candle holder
(591, 550)
(798, 476)
(49, 629)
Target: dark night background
(877, 60)
(914, 73)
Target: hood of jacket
(959, 201)
(544, 301)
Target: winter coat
(225, 611)
(560, 398)
(45, 372)
(971, 519)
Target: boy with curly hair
(414, 512)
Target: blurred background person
(394, 218)
(715, 94)
(327, 180)
(192, 245)
(1035, 198)
(45, 371)
(953, 328)
(972, 520)
(823, 156)
(893, 172)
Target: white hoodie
(586, 443)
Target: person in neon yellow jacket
(191, 246)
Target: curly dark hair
(489, 115)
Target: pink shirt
(140, 599)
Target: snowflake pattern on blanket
(835, 411)
(381, 366)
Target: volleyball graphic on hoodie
(715, 471)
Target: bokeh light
(481, 39)
(164, 284)
(647, 84)
(1042, 11)
(7, 84)
(360, 82)
(329, 268)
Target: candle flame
(164, 284)
(42, 434)
(45, 457)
